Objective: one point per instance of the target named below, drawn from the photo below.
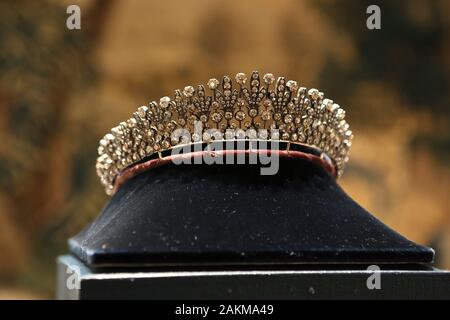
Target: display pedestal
(269, 284)
(226, 232)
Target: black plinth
(308, 282)
(231, 215)
(226, 232)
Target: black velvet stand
(242, 234)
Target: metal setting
(301, 116)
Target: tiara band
(299, 117)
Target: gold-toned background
(61, 90)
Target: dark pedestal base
(313, 282)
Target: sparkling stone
(292, 85)
(213, 83)
(142, 111)
(265, 115)
(301, 137)
(165, 144)
(228, 115)
(164, 102)
(109, 137)
(189, 91)
(241, 78)
(269, 78)
(340, 113)
(216, 117)
(253, 113)
(131, 123)
(203, 118)
(240, 115)
(277, 116)
(313, 93)
(288, 118)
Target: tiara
(300, 117)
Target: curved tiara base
(287, 150)
(266, 110)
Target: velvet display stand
(227, 232)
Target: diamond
(142, 111)
(216, 117)
(189, 91)
(164, 102)
(213, 83)
(269, 78)
(288, 118)
(292, 85)
(253, 113)
(313, 93)
(266, 115)
(241, 78)
(340, 113)
(240, 115)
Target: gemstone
(241, 78)
(216, 117)
(253, 113)
(313, 93)
(189, 91)
(142, 111)
(288, 118)
(240, 115)
(164, 102)
(213, 83)
(228, 115)
(269, 78)
(265, 115)
(340, 113)
(292, 85)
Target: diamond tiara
(299, 116)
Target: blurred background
(61, 90)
